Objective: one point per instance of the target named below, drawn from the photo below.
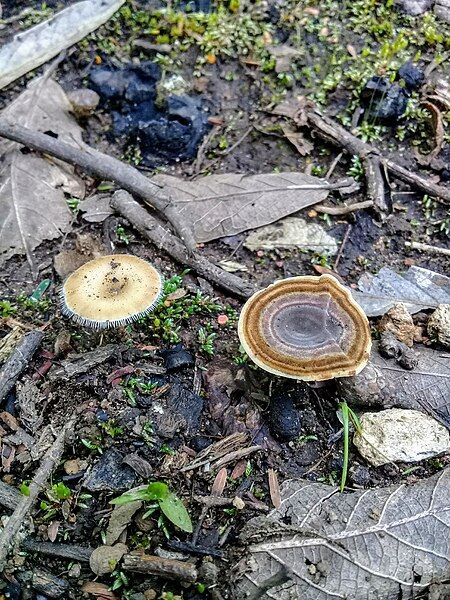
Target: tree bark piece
(46, 583)
(9, 496)
(18, 361)
(151, 229)
(50, 461)
(341, 137)
(70, 551)
(101, 165)
(161, 567)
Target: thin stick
(50, 461)
(342, 246)
(343, 210)
(427, 248)
(9, 496)
(333, 165)
(341, 137)
(151, 229)
(101, 165)
(161, 567)
(70, 551)
(19, 360)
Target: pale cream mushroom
(111, 291)
(307, 328)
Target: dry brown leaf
(216, 206)
(302, 146)
(437, 123)
(32, 201)
(52, 530)
(219, 482)
(274, 488)
(99, 590)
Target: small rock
(84, 101)
(399, 322)
(390, 347)
(414, 7)
(109, 473)
(400, 435)
(71, 467)
(411, 75)
(208, 572)
(439, 325)
(292, 232)
(383, 100)
(104, 559)
(442, 10)
(360, 475)
(283, 418)
(177, 358)
(181, 411)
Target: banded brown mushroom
(306, 328)
(111, 291)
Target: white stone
(292, 232)
(400, 435)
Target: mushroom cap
(111, 291)
(307, 328)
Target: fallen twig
(70, 551)
(101, 165)
(151, 229)
(427, 248)
(343, 138)
(342, 210)
(51, 459)
(18, 361)
(217, 450)
(161, 567)
(9, 496)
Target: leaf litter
(380, 543)
(32, 188)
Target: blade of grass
(345, 422)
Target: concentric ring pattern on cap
(111, 291)
(307, 328)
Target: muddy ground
(130, 402)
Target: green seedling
(348, 416)
(158, 497)
(122, 235)
(206, 341)
(7, 309)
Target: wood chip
(219, 482)
(99, 590)
(274, 488)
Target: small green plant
(94, 447)
(206, 341)
(7, 309)
(166, 449)
(56, 495)
(348, 416)
(120, 580)
(110, 428)
(158, 497)
(356, 169)
(135, 385)
(73, 204)
(122, 235)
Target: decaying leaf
(384, 543)
(119, 520)
(34, 47)
(32, 203)
(96, 208)
(385, 383)
(220, 205)
(104, 559)
(418, 289)
(99, 590)
(437, 124)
